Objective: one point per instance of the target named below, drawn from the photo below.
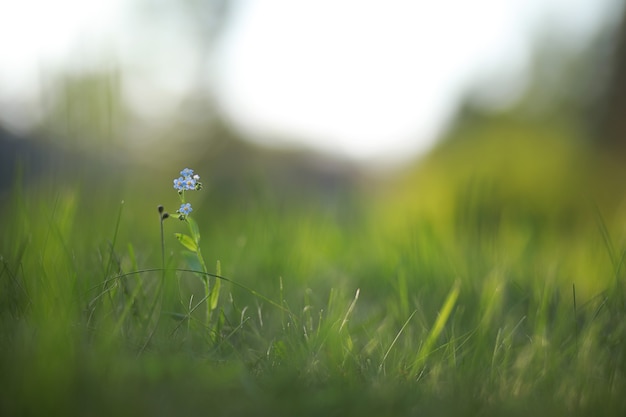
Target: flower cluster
(188, 181)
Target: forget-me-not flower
(186, 172)
(179, 183)
(190, 183)
(185, 209)
(187, 181)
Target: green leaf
(195, 231)
(187, 242)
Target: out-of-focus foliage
(548, 170)
(513, 226)
(85, 111)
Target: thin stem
(162, 216)
(158, 299)
(162, 248)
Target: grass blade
(437, 328)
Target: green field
(487, 281)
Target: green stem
(162, 247)
(207, 287)
(193, 230)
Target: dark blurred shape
(18, 152)
(612, 131)
(36, 159)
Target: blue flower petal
(186, 172)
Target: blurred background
(319, 95)
(398, 147)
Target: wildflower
(187, 172)
(179, 183)
(190, 183)
(184, 210)
(187, 181)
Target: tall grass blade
(436, 330)
(345, 318)
(114, 241)
(395, 339)
(215, 292)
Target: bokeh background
(515, 104)
(457, 166)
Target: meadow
(487, 281)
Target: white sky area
(364, 79)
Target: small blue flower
(185, 209)
(186, 172)
(190, 183)
(179, 183)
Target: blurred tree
(89, 108)
(87, 111)
(580, 86)
(84, 109)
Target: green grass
(374, 304)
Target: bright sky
(363, 78)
